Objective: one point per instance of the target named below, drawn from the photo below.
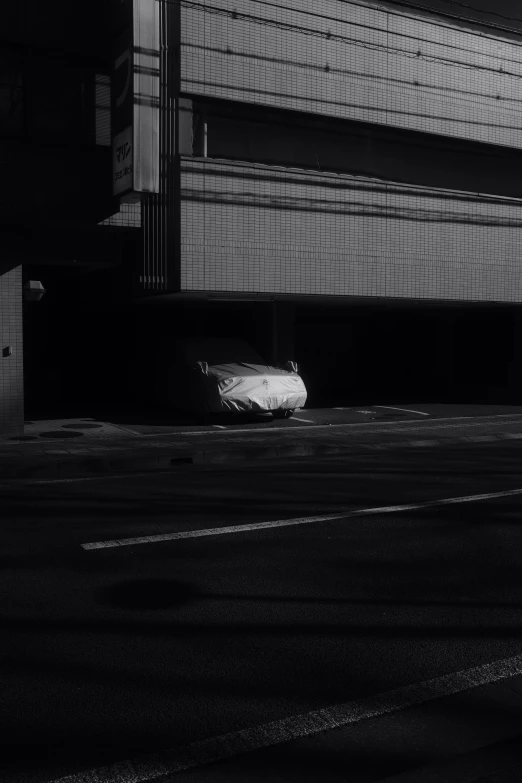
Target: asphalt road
(111, 653)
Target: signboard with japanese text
(122, 160)
(135, 99)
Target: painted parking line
(219, 426)
(404, 410)
(226, 746)
(299, 418)
(252, 526)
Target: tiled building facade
(246, 226)
(11, 352)
(356, 61)
(250, 228)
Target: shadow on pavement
(148, 594)
(158, 416)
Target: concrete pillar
(444, 356)
(515, 369)
(200, 145)
(283, 332)
(185, 127)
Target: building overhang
(231, 297)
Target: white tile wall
(267, 229)
(128, 216)
(11, 367)
(463, 83)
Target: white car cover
(228, 375)
(257, 387)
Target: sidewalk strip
(218, 531)
(404, 410)
(154, 766)
(330, 427)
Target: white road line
(298, 418)
(406, 410)
(219, 531)
(219, 426)
(154, 766)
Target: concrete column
(185, 129)
(444, 357)
(283, 332)
(201, 134)
(515, 369)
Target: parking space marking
(404, 410)
(299, 418)
(253, 526)
(219, 426)
(155, 766)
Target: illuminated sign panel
(135, 99)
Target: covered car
(228, 375)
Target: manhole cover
(81, 426)
(24, 437)
(60, 434)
